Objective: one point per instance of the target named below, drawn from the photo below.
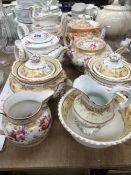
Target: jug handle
(122, 105)
(22, 30)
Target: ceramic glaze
(38, 74)
(37, 42)
(97, 110)
(108, 135)
(116, 17)
(27, 118)
(110, 70)
(24, 109)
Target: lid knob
(115, 57)
(35, 59)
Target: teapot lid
(112, 68)
(38, 37)
(83, 24)
(117, 7)
(39, 69)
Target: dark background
(96, 2)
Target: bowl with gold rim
(70, 123)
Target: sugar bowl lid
(39, 69)
(112, 68)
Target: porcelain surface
(110, 72)
(115, 16)
(78, 7)
(27, 118)
(37, 42)
(83, 27)
(36, 72)
(103, 138)
(91, 10)
(89, 45)
(37, 77)
(93, 108)
(49, 17)
(80, 58)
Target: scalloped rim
(82, 139)
(90, 65)
(42, 80)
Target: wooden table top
(60, 150)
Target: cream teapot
(94, 110)
(26, 117)
(37, 42)
(117, 17)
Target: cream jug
(94, 108)
(26, 117)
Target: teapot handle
(19, 51)
(65, 22)
(22, 30)
(96, 8)
(33, 11)
(122, 50)
(128, 94)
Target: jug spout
(43, 95)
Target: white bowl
(68, 123)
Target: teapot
(82, 28)
(117, 17)
(49, 18)
(84, 49)
(37, 42)
(26, 117)
(94, 108)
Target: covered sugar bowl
(110, 71)
(37, 74)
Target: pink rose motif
(44, 122)
(18, 134)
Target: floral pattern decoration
(18, 134)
